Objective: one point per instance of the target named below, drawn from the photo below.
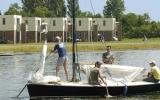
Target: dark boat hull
(42, 90)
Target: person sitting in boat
(108, 57)
(95, 75)
(154, 74)
(62, 59)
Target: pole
(21, 91)
(73, 42)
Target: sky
(136, 6)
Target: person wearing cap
(62, 59)
(108, 57)
(154, 74)
(95, 75)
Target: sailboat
(50, 86)
(116, 86)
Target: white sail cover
(43, 59)
(117, 73)
(38, 76)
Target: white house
(56, 27)
(15, 29)
(83, 28)
(88, 29)
(31, 32)
(105, 27)
(10, 28)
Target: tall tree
(41, 11)
(77, 9)
(29, 6)
(14, 9)
(56, 8)
(114, 8)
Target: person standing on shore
(62, 59)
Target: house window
(80, 23)
(94, 21)
(18, 21)
(38, 22)
(54, 23)
(104, 23)
(26, 22)
(4, 21)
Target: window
(54, 23)
(80, 23)
(104, 23)
(94, 21)
(4, 21)
(38, 22)
(18, 21)
(26, 22)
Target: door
(17, 37)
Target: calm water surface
(14, 71)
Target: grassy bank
(126, 44)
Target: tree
(77, 9)
(114, 8)
(146, 18)
(85, 14)
(56, 8)
(98, 15)
(14, 9)
(62, 9)
(41, 11)
(29, 6)
(135, 26)
(129, 21)
(89, 14)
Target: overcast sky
(136, 6)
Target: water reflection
(14, 71)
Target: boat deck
(109, 83)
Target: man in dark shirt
(62, 59)
(95, 75)
(107, 57)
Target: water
(14, 71)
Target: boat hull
(44, 90)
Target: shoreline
(82, 46)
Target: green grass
(126, 44)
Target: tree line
(133, 25)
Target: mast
(73, 42)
